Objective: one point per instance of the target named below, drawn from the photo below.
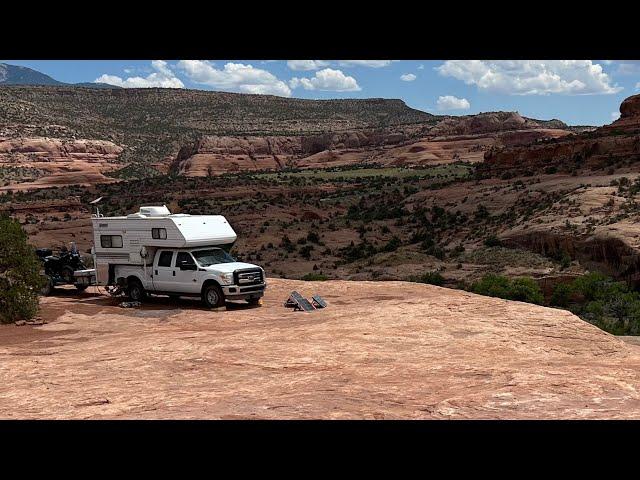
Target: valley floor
(380, 350)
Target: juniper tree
(20, 279)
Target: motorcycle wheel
(67, 274)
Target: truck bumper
(236, 292)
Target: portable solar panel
(298, 302)
(318, 301)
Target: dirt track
(380, 350)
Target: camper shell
(127, 249)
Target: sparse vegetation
(20, 279)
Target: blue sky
(578, 92)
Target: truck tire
(81, 288)
(135, 291)
(254, 302)
(212, 296)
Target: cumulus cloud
(615, 116)
(327, 80)
(365, 63)
(532, 77)
(421, 67)
(235, 77)
(408, 77)
(162, 77)
(449, 102)
(306, 65)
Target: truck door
(163, 272)
(186, 279)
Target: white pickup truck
(155, 251)
(208, 272)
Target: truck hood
(230, 267)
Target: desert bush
(432, 278)
(20, 279)
(561, 295)
(493, 241)
(314, 277)
(521, 289)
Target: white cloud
(408, 77)
(628, 68)
(328, 80)
(306, 65)
(638, 86)
(531, 77)
(421, 67)
(162, 77)
(234, 77)
(449, 102)
(615, 115)
(365, 63)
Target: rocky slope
(197, 132)
(57, 162)
(455, 138)
(381, 350)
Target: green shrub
(525, 290)
(521, 289)
(492, 285)
(314, 277)
(493, 241)
(561, 295)
(432, 278)
(20, 279)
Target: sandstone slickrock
(380, 350)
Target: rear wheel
(135, 291)
(67, 274)
(212, 296)
(81, 288)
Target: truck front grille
(249, 276)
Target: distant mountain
(16, 75)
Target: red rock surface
(380, 350)
(62, 161)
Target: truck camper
(156, 252)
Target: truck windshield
(212, 256)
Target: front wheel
(212, 296)
(81, 288)
(135, 291)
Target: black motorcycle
(59, 269)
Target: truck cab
(207, 271)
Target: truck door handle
(156, 272)
(174, 273)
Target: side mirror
(184, 265)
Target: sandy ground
(380, 350)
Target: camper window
(110, 241)
(159, 233)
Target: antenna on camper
(95, 202)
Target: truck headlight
(226, 277)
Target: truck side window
(159, 233)
(111, 241)
(165, 259)
(184, 257)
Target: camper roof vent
(162, 211)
